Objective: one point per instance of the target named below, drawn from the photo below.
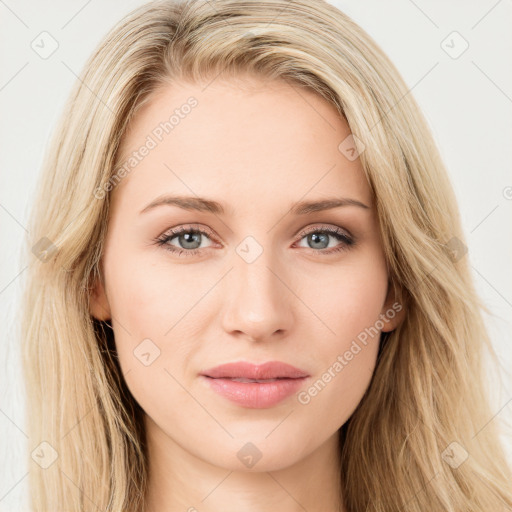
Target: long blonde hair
(422, 436)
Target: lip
(245, 370)
(286, 380)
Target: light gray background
(467, 101)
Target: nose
(258, 304)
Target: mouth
(255, 386)
(271, 370)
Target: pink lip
(257, 395)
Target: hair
(429, 389)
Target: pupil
(190, 238)
(322, 238)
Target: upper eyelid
(324, 227)
(172, 232)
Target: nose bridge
(259, 302)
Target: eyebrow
(208, 205)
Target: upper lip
(269, 370)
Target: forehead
(253, 140)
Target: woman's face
(258, 275)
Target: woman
(251, 288)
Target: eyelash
(163, 241)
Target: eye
(187, 238)
(318, 238)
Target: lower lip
(256, 395)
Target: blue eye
(320, 237)
(189, 240)
(188, 237)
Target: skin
(257, 147)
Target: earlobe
(99, 307)
(393, 312)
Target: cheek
(155, 306)
(348, 305)
(347, 300)
(147, 296)
(146, 304)
(335, 392)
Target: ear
(393, 311)
(99, 307)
